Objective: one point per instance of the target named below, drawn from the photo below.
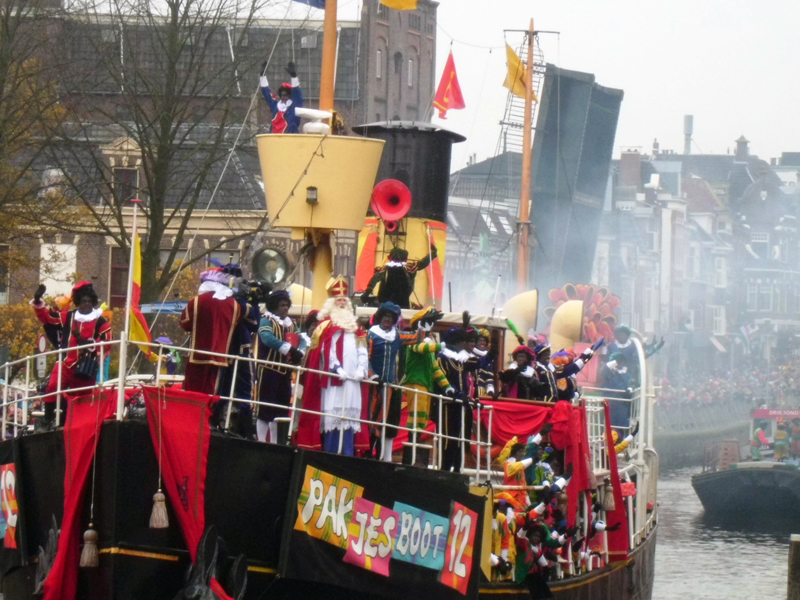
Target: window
(720, 272)
(717, 320)
(383, 11)
(506, 224)
(398, 63)
(430, 28)
(415, 22)
(759, 242)
(796, 300)
(163, 256)
(693, 262)
(783, 249)
(118, 280)
(126, 184)
(410, 73)
(3, 274)
(765, 298)
(379, 64)
(752, 297)
(489, 222)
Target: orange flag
(448, 95)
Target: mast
(523, 249)
(322, 268)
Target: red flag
(448, 95)
(617, 540)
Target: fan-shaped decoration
(599, 307)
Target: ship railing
(18, 395)
(17, 399)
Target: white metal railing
(18, 398)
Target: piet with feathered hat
(69, 329)
(385, 340)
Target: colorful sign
(8, 498)
(421, 537)
(460, 546)
(325, 505)
(370, 536)
(775, 413)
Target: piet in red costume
(211, 318)
(73, 328)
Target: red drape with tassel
(185, 437)
(81, 432)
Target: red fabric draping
(564, 432)
(577, 455)
(514, 419)
(617, 540)
(85, 415)
(185, 437)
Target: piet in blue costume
(290, 97)
(384, 341)
(275, 377)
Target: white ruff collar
(285, 322)
(479, 352)
(462, 356)
(396, 263)
(88, 318)
(282, 106)
(625, 345)
(221, 292)
(389, 336)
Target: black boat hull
(750, 488)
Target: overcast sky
(733, 64)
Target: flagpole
(523, 248)
(125, 334)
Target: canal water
(701, 558)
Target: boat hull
(631, 579)
(750, 488)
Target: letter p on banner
(460, 545)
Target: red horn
(391, 226)
(391, 200)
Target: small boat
(729, 485)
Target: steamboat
(255, 520)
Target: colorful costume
(383, 349)
(275, 336)
(342, 352)
(284, 119)
(457, 368)
(396, 277)
(781, 442)
(757, 440)
(485, 376)
(74, 329)
(503, 544)
(521, 382)
(211, 318)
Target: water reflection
(701, 557)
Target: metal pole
(489, 446)
(5, 400)
(158, 367)
(328, 74)
(125, 334)
(60, 365)
(341, 423)
(123, 367)
(233, 391)
(414, 432)
(461, 435)
(523, 249)
(293, 410)
(383, 426)
(478, 442)
(439, 428)
(27, 393)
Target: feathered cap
(81, 289)
(426, 315)
(310, 319)
(220, 273)
(524, 350)
(541, 348)
(484, 333)
(387, 308)
(563, 358)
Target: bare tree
(175, 80)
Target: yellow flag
(517, 74)
(400, 4)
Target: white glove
(535, 439)
(359, 374)
(542, 561)
(340, 372)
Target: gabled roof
(699, 196)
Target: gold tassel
(89, 555)
(608, 498)
(159, 518)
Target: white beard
(340, 317)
